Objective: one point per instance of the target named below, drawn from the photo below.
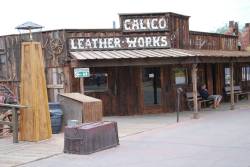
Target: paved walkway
(219, 138)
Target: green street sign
(81, 72)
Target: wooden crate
(90, 137)
(80, 107)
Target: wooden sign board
(81, 72)
(149, 23)
(119, 42)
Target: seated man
(204, 94)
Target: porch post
(194, 81)
(232, 85)
(82, 85)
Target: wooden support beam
(232, 85)
(15, 125)
(194, 81)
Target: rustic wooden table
(14, 122)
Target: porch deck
(24, 152)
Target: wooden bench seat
(237, 92)
(201, 102)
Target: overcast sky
(57, 14)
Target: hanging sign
(81, 72)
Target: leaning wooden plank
(35, 121)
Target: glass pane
(151, 86)
(227, 76)
(243, 74)
(180, 76)
(96, 82)
(3, 67)
(248, 73)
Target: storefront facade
(137, 68)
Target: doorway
(152, 90)
(214, 77)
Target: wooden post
(194, 81)
(15, 125)
(82, 85)
(155, 88)
(14, 122)
(232, 86)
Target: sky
(206, 15)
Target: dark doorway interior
(151, 86)
(214, 77)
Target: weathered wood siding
(122, 95)
(212, 41)
(55, 57)
(179, 31)
(10, 62)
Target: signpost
(179, 91)
(81, 73)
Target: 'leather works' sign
(123, 42)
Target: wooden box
(76, 106)
(90, 137)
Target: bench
(237, 92)
(201, 102)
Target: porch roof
(155, 57)
(129, 54)
(154, 53)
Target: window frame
(229, 74)
(97, 90)
(246, 73)
(186, 75)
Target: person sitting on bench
(204, 94)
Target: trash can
(55, 117)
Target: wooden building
(137, 68)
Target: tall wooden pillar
(194, 81)
(35, 122)
(232, 85)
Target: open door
(152, 90)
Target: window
(227, 75)
(245, 74)
(152, 86)
(180, 75)
(201, 77)
(96, 82)
(3, 67)
(2, 59)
